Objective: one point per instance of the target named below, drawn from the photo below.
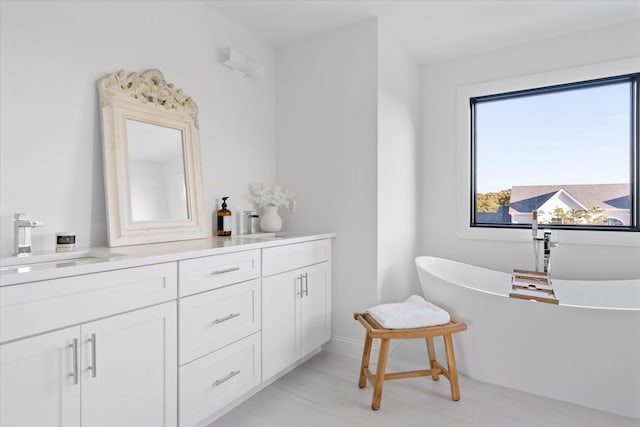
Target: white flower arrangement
(264, 195)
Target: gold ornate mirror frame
(147, 101)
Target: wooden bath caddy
(532, 285)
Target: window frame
(525, 77)
(634, 155)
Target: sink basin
(25, 264)
(265, 236)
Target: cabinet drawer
(210, 383)
(42, 306)
(214, 319)
(289, 257)
(203, 274)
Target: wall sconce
(238, 61)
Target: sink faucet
(22, 225)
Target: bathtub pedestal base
(374, 330)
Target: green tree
(595, 215)
(504, 197)
(489, 202)
(591, 216)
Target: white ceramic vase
(270, 221)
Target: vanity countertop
(51, 265)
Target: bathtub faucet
(547, 244)
(547, 250)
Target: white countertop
(51, 265)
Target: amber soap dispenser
(224, 219)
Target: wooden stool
(374, 330)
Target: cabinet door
(280, 319)
(39, 384)
(315, 325)
(130, 369)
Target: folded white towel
(415, 312)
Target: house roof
(500, 216)
(527, 198)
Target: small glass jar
(65, 241)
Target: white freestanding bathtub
(586, 350)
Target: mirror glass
(156, 172)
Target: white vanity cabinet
(296, 303)
(219, 332)
(117, 370)
(173, 337)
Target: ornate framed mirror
(151, 149)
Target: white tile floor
(324, 392)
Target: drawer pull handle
(226, 270)
(224, 319)
(227, 378)
(74, 348)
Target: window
(569, 152)
(613, 221)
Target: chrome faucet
(22, 226)
(547, 250)
(546, 247)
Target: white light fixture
(238, 61)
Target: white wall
(52, 55)
(441, 162)
(398, 143)
(348, 135)
(327, 154)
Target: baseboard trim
(348, 347)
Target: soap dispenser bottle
(224, 219)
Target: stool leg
(451, 367)
(435, 374)
(382, 364)
(366, 354)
